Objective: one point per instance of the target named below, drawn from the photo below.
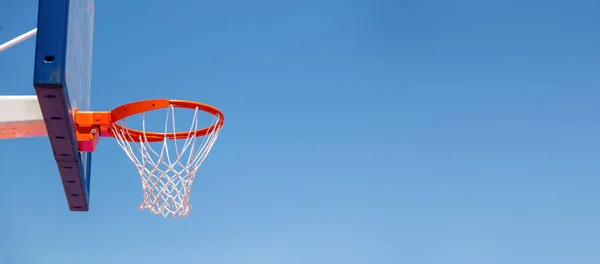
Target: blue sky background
(365, 132)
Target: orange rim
(87, 122)
(135, 108)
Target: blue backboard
(62, 81)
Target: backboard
(61, 110)
(62, 81)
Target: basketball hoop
(166, 172)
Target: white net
(167, 170)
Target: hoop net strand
(167, 178)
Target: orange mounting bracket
(90, 126)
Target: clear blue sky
(367, 132)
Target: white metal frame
(20, 115)
(18, 39)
